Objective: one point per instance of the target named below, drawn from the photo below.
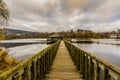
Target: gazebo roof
(56, 35)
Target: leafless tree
(4, 14)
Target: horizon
(63, 15)
(69, 30)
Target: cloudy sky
(59, 15)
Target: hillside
(14, 31)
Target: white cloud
(77, 18)
(106, 11)
(43, 15)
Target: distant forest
(79, 33)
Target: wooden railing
(92, 67)
(35, 67)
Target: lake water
(34, 40)
(20, 42)
(107, 49)
(28, 48)
(23, 52)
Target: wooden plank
(63, 67)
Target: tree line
(80, 33)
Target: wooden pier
(56, 63)
(63, 67)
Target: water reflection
(23, 52)
(22, 49)
(108, 52)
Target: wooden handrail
(86, 61)
(44, 58)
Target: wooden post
(81, 60)
(38, 68)
(33, 70)
(21, 71)
(78, 60)
(48, 60)
(86, 67)
(106, 76)
(96, 71)
(45, 60)
(27, 73)
(83, 66)
(42, 67)
(91, 69)
(15, 76)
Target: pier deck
(63, 67)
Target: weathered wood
(34, 68)
(63, 67)
(91, 66)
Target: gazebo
(53, 38)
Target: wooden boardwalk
(63, 67)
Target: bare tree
(4, 14)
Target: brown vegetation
(6, 62)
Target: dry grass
(6, 62)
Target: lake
(23, 52)
(107, 49)
(20, 42)
(22, 49)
